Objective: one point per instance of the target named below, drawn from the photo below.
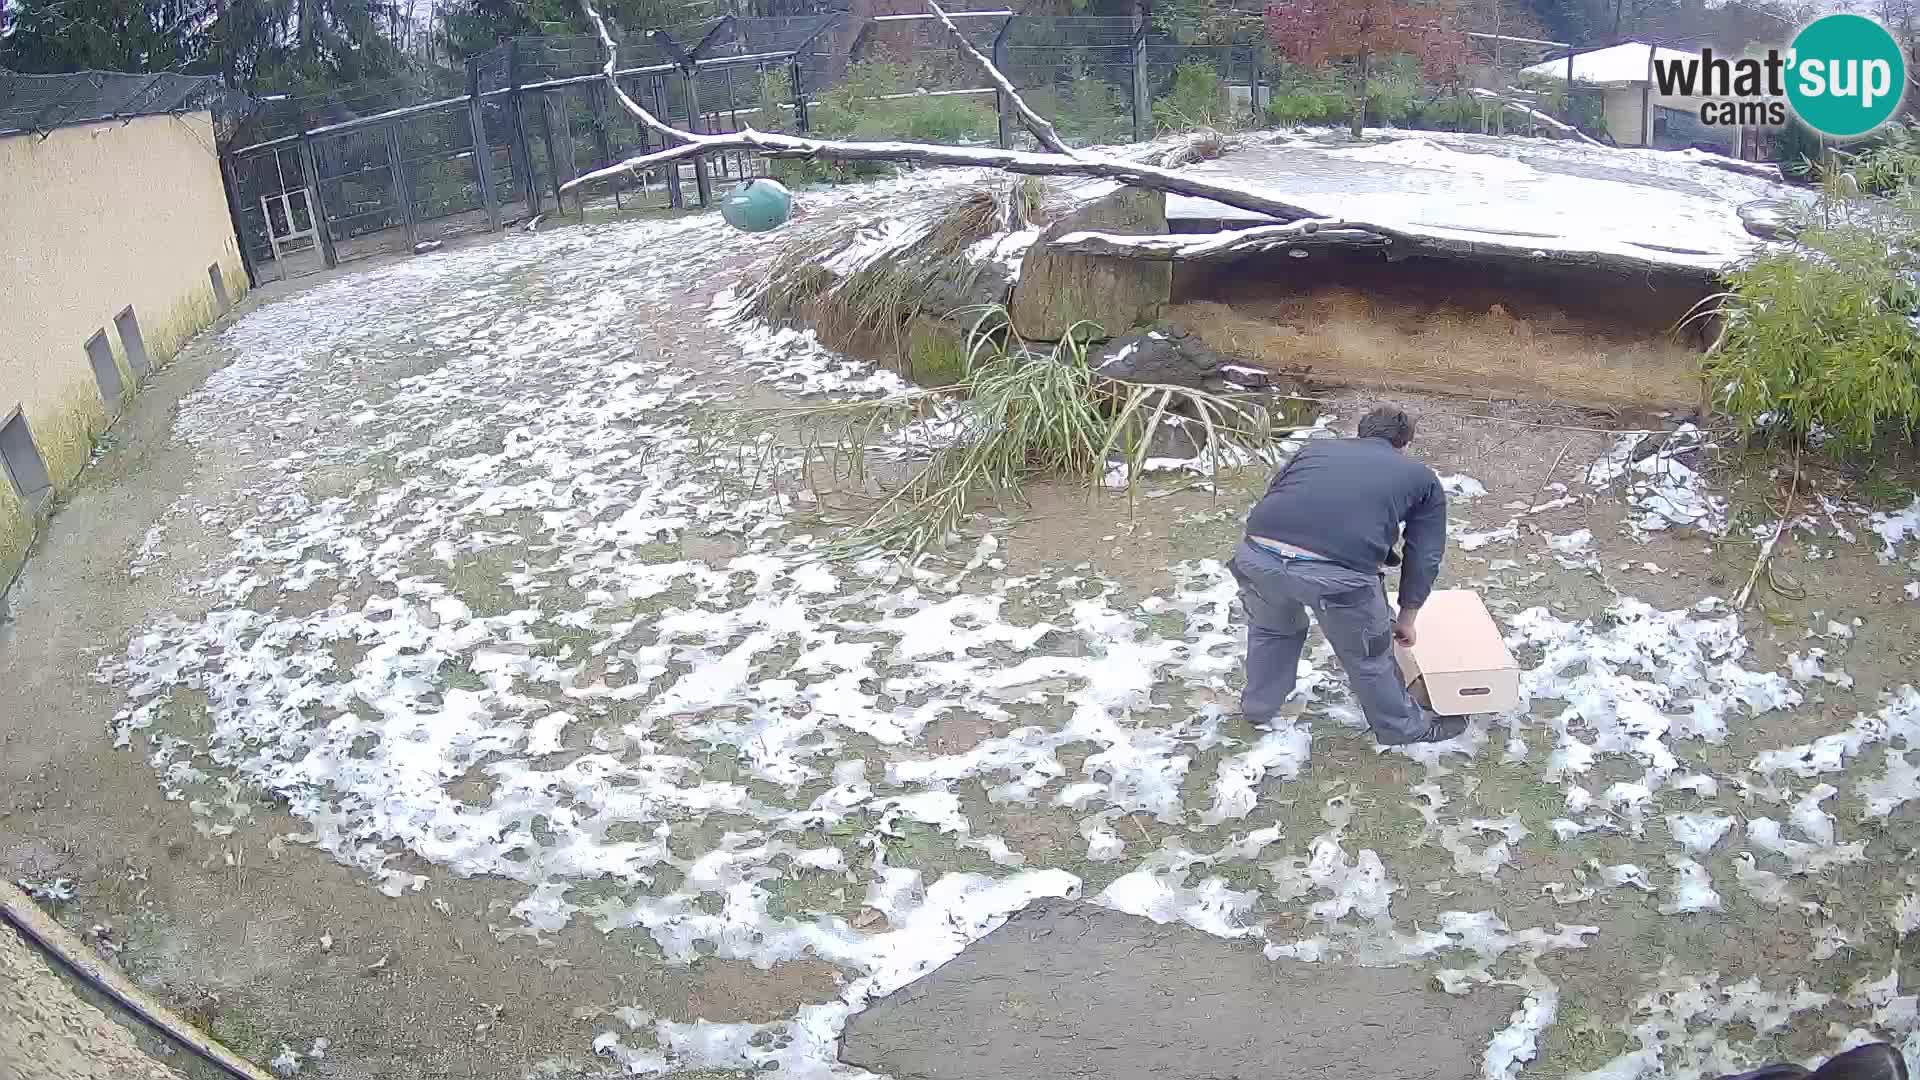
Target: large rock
(959, 292)
(1170, 353)
(1072, 990)
(1153, 357)
(1768, 219)
(1056, 290)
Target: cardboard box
(1458, 664)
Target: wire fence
(385, 167)
(41, 103)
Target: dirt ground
(512, 426)
(1604, 341)
(1095, 996)
(47, 1032)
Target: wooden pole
(1569, 117)
(1142, 100)
(602, 142)
(397, 177)
(518, 147)
(323, 225)
(702, 182)
(733, 104)
(800, 120)
(1003, 102)
(230, 179)
(482, 149)
(556, 133)
(1253, 92)
(671, 173)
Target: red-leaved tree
(1313, 32)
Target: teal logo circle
(1846, 75)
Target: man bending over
(1321, 538)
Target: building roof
(1626, 64)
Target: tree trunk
(1360, 94)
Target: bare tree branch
(1190, 247)
(775, 144)
(1294, 226)
(1041, 128)
(1535, 114)
(1131, 173)
(613, 55)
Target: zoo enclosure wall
(119, 247)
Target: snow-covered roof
(1521, 195)
(1628, 63)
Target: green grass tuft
(1017, 416)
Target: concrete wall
(93, 218)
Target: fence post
(1253, 88)
(402, 191)
(702, 183)
(321, 224)
(556, 133)
(230, 179)
(669, 173)
(800, 120)
(517, 149)
(482, 149)
(1569, 117)
(1142, 101)
(602, 143)
(1002, 102)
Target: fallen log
(1197, 247)
(1395, 243)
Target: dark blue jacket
(1347, 499)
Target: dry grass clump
(1343, 336)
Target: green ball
(757, 206)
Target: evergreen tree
(259, 45)
(475, 26)
(42, 36)
(470, 27)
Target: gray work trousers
(1352, 609)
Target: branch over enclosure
(1293, 225)
(1039, 125)
(774, 144)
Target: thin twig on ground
(1551, 469)
(1568, 427)
(1142, 828)
(1766, 549)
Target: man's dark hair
(1389, 422)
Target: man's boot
(1289, 712)
(1440, 729)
